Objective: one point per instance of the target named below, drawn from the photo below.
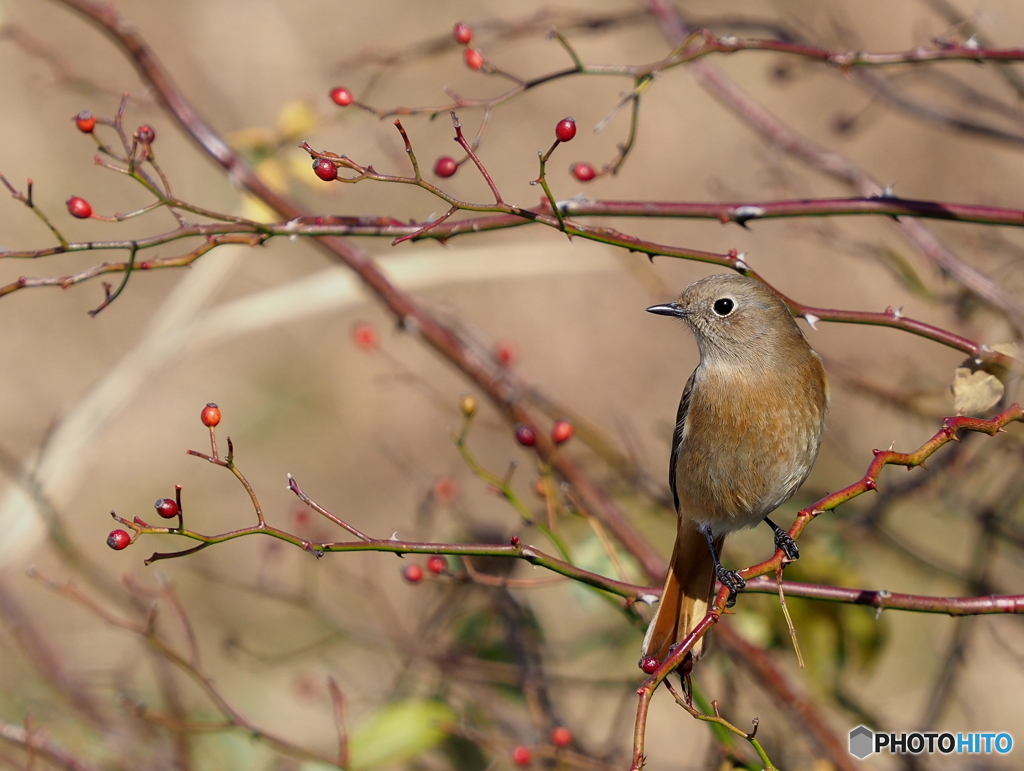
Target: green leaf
(397, 732)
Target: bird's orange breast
(750, 441)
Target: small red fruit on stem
(584, 172)
(341, 96)
(525, 435)
(437, 564)
(364, 335)
(506, 353)
(562, 431)
(210, 415)
(445, 489)
(85, 121)
(325, 169)
(146, 134)
(649, 664)
(521, 756)
(463, 33)
(413, 573)
(561, 736)
(118, 539)
(565, 130)
(79, 207)
(166, 508)
(474, 59)
(445, 166)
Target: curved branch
(886, 600)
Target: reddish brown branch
(680, 653)
(792, 142)
(35, 741)
(883, 458)
(702, 43)
(744, 212)
(886, 600)
(844, 60)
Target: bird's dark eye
(724, 306)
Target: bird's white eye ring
(724, 306)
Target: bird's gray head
(735, 316)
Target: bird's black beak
(669, 309)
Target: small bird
(747, 433)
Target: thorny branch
(868, 482)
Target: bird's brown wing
(677, 438)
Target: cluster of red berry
(561, 432)
(167, 508)
(85, 121)
(446, 166)
(436, 564)
(560, 737)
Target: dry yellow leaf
(296, 120)
(975, 392)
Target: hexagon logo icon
(862, 742)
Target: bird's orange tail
(689, 589)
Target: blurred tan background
(111, 403)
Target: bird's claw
(731, 580)
(787, 544)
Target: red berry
(463, 34)
(341, 96)
(445, 166)
(437, 564)
(565, 130)
(85, 121)
(146, 134)
(325, 169)
(515, 540)
(649, 664)
(118, 539)
(474, 59)
(525, 435)
(562, 431)
(364, 335)
(413, 573)
(584, 172)
(79, 207)
(506, 353)
(446, 489)
(521, 756)
(210, 415)
(561, 736)
(166, 508)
